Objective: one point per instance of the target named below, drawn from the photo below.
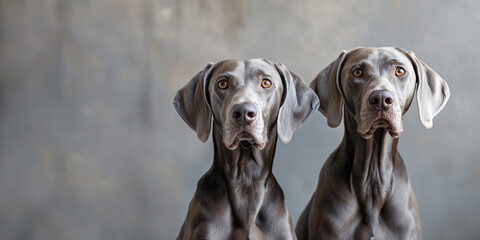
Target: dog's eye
(222, 84)
(357, 72)
(266, 83)
(400, 71)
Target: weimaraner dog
(363, 191)
(251, 101)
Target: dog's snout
(244, 113)
(381, 100)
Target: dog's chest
(389, 221)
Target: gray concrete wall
(91, 147)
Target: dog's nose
(244, 113)
(381, 100)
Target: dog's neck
(372, 161)
(245, 171)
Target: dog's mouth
(380, 121)
(246, 140)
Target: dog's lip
(380, 121)
(245, 136)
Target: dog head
(376, 86)
(246, 98)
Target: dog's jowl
(250, 102)
(363, 191)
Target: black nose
(381, 100)
(244, 113)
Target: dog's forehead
(245, 68)
(226, 66)
(384, 56)
(360, 54)
(255, 67)
(389, 54)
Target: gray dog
(363, 190)
(251, 102)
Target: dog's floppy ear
(432, 90)
(327, 86)
(192, 105)
(298, 103)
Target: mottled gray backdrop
(92, 148)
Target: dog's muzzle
(244, 126)
(382, 114)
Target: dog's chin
(380, 123)
(246, 141)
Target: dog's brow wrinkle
(226, 75)
(363, 63)
(260, 72)
(393, 62)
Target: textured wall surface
(92, 148)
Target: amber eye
(266, 83)
(222, 84)
(400, 71)
(357, 72)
